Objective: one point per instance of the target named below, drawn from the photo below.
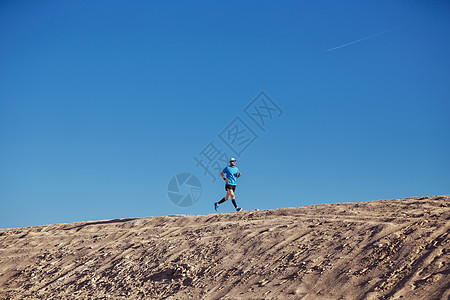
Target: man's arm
(239, 175)
(223, 177)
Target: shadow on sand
(100, 223)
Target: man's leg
(223, 199)
(233, 198)
(227, 196)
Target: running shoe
(216, 205)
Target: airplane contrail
(363, 39)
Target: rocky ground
(387, 249)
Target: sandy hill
(385, 249)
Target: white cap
(232, 159)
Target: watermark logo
(211, 159)
(262, 110)
(238, 136)
(184, 189)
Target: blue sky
(103, 102)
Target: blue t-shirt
(231, 173)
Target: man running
(230, 174)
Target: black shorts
(230, 187)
